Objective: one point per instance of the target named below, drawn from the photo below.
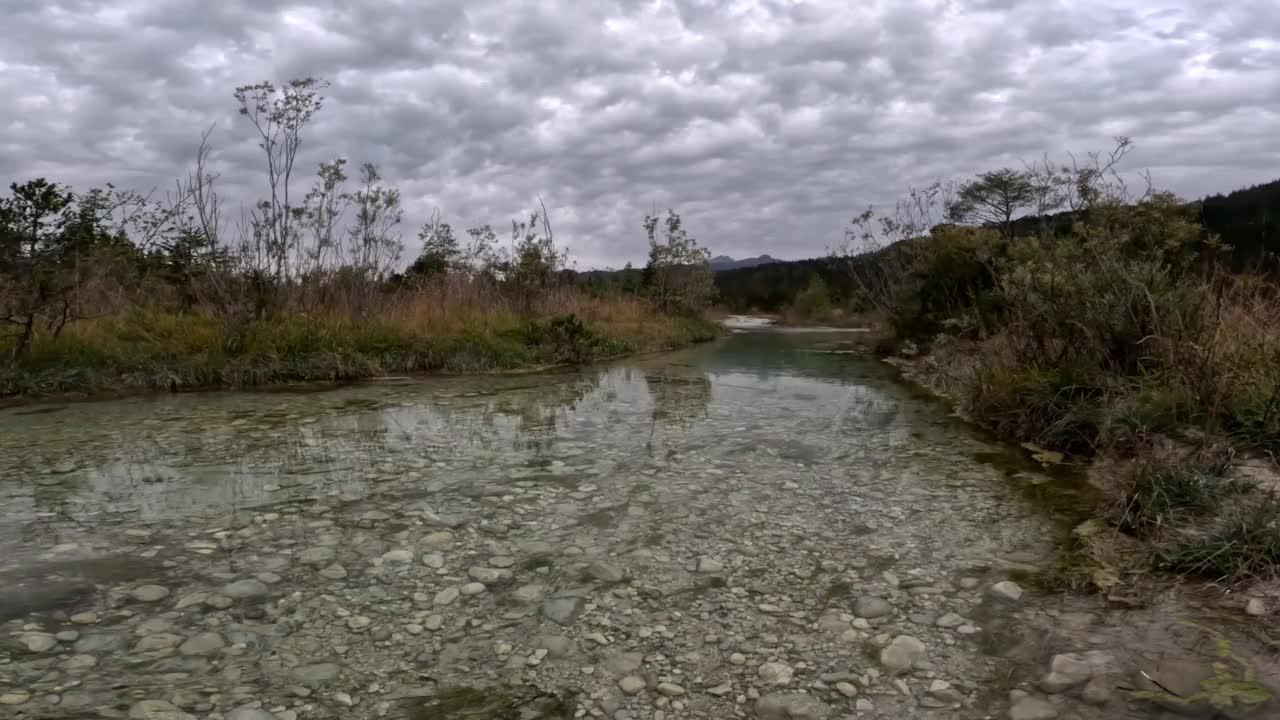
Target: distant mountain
(724, 262)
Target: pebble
(472, 588)
(446, 596)
(778, 706)
(737, 659)
(398, 557)
(709, 565)
(632, 684)
(1255, 607)
(847, 689)
(1065, 672)
(334, 572)
(433, 560)
(670, 689)
(202, 644)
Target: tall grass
(450, 324)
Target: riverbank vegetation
(1065, 309)
(106, 289)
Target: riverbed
(757, 527)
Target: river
(763, 526)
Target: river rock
(1032, 708)
(557, 646)
(14, 697)
(472, 588)
(774, 673)
(605, 572)
(563, 610)
(632, 684)
(149, 593)
(433, 560)
(489, 576)
(246, 589)
(397, 557)
(710, 565)
(901, 654)
(624, 662)
(203, 644)
(157, 641)
(1007, 590)
(315, 675)
(440, 538)
(157, 710)
(1065, 672)
(320, 555)
(446, 596)
(334, 572)
(778, 706)
(251, 713)
(949, 620)
(529, 594)
(870, 608)
(1255, 607)
(38, 642)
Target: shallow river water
(758, 527)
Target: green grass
(1159, 496)
(1240, 548)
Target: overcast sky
(766, 123)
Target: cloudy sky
(766, 123)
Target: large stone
(1065, 672)
(149, 593)
(157, 710)
(777, 706)
(709, 565)
(315, 675)
(624, 662)
(1032, 708)
(870, 608)
(38, 642)
(901, 654)
(14, 697)
(246, 589)
(529, 594)
(1007, 590)
(397, 557)
(605, 572)
(317, 556)
(203, 644)
(557, 646)
(157, 641)
(489, 576)
(632, 684)
(773, 673)
(563, 610)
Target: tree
(32, 222)
(678, 274)
(996, 198)
(814, 301)
(279, 115)
(440, 252)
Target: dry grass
(454, 324)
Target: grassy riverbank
(153, 348)
(1120, 341)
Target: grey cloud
(768, 123)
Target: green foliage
(678, 275)
(815, 300)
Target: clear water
(735, 499)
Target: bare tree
(997, 198)
(279, 115)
